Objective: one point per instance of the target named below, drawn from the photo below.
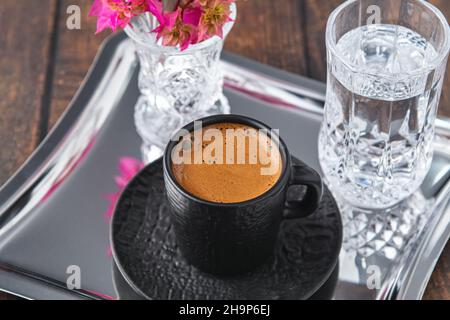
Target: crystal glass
(176, 86)
(386, 65)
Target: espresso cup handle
(303, 175)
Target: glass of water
(386, 65)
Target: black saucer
(146, 255)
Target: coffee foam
(227, 163)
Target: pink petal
(117, 13)
(184, 45)
(96, 8)
(121, 182)
(192, 16)
(171, 18)
(102, 24)
(113, 198)
(109, 252)
(128, 166)
(219, 31)
(155, 7)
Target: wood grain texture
(270, 33)
(25, 45)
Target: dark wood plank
(5, 296)
(316, 14)
(25, 43)
(439, 285)
(270, 33)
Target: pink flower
(192, 16)
(128, 168)
(117, 13)
(181, 22)
(216, 13)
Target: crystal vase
(176, 86)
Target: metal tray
(52, 209)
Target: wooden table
(42, 63)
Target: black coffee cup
(234, 238)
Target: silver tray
(52, 209)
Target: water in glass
(375, 143)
